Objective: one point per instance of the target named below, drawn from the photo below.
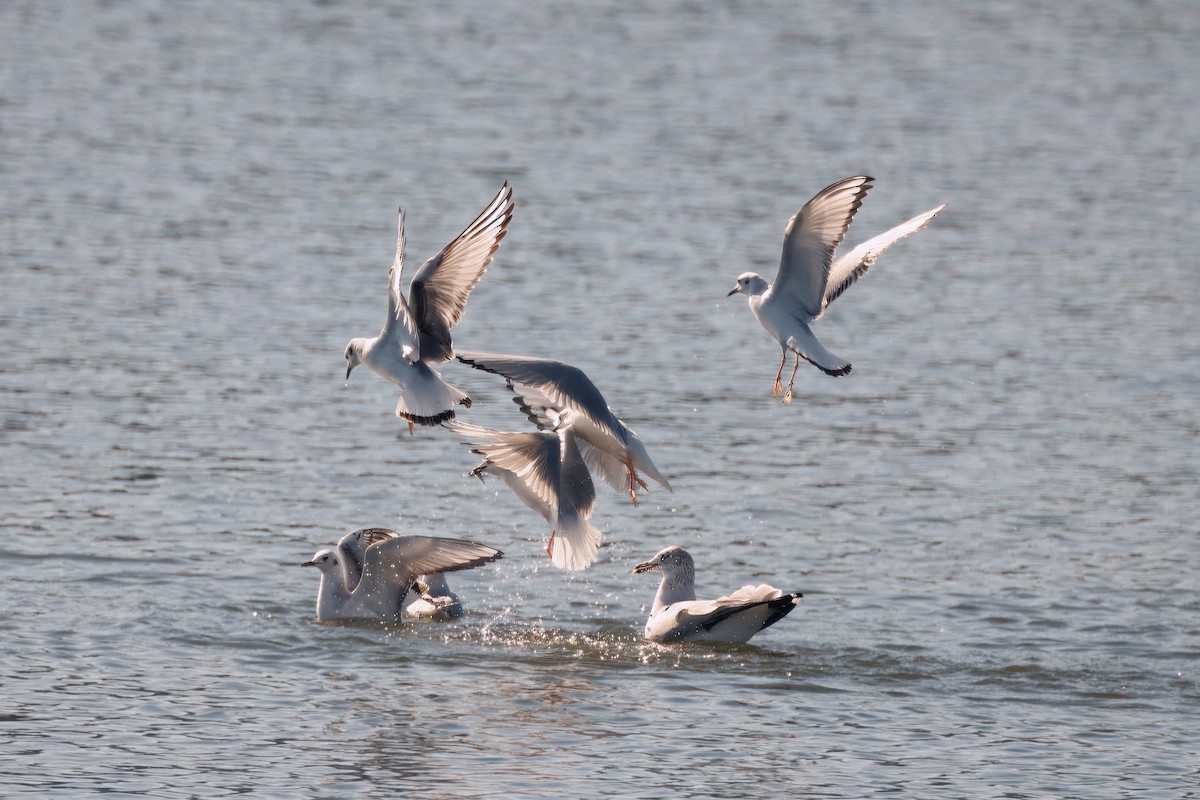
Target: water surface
(992, 519)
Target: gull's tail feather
(576, 544)
(812, 351)
(426, 399)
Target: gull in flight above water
(429, 597)
(546, 390)
(390, 566)
(677, 616)
(809, 278)
(546, 471)
(416, 332)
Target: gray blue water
(993, 519)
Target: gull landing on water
(546, 390)
(809, 279)
(390, 567)
(416, 332)
(546, 471)
(677, 616)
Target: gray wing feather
(439, 290)
(810, 239)
(559, 383)
(853, 265)
(400, 325)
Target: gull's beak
(645, 566)
(348, 368)
(734, 291)
(309, 564)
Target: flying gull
(546, 389)
(546, 471)
(416, 332)
(809, 279)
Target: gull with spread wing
(389, 568)
(546, 389)
(677, 616)
(546, 471)
(429, 597)
(416, 332)
(809, 279)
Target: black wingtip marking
(781, 607)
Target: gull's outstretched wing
(532, 458)
(853, 265)
(439, 290)
(539, 382)
(400, 327)
(391, 566)
(809, 241)
(352, 549)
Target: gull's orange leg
(779, 374)
(787, 396)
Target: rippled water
(993, 519)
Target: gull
(546, 471)
(542, 386)
(432, 599)
(677, 616)
(809, 279)
(416, 332)
(429, 597)
(390, 566)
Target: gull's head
(560, 418)
(671, 562)
(749, 283)
(324, 560)
(353, 354)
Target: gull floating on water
(390, 567)
(416, 333)
(546, 471)
(429, 597)
(432, 599)
(809, 279)
(547, 389)
(677, 616)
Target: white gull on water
(416, 332)
(677, 616)
(809, 279)
(546, 471)
(390, 566)
(609, 447)
(429, 597)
